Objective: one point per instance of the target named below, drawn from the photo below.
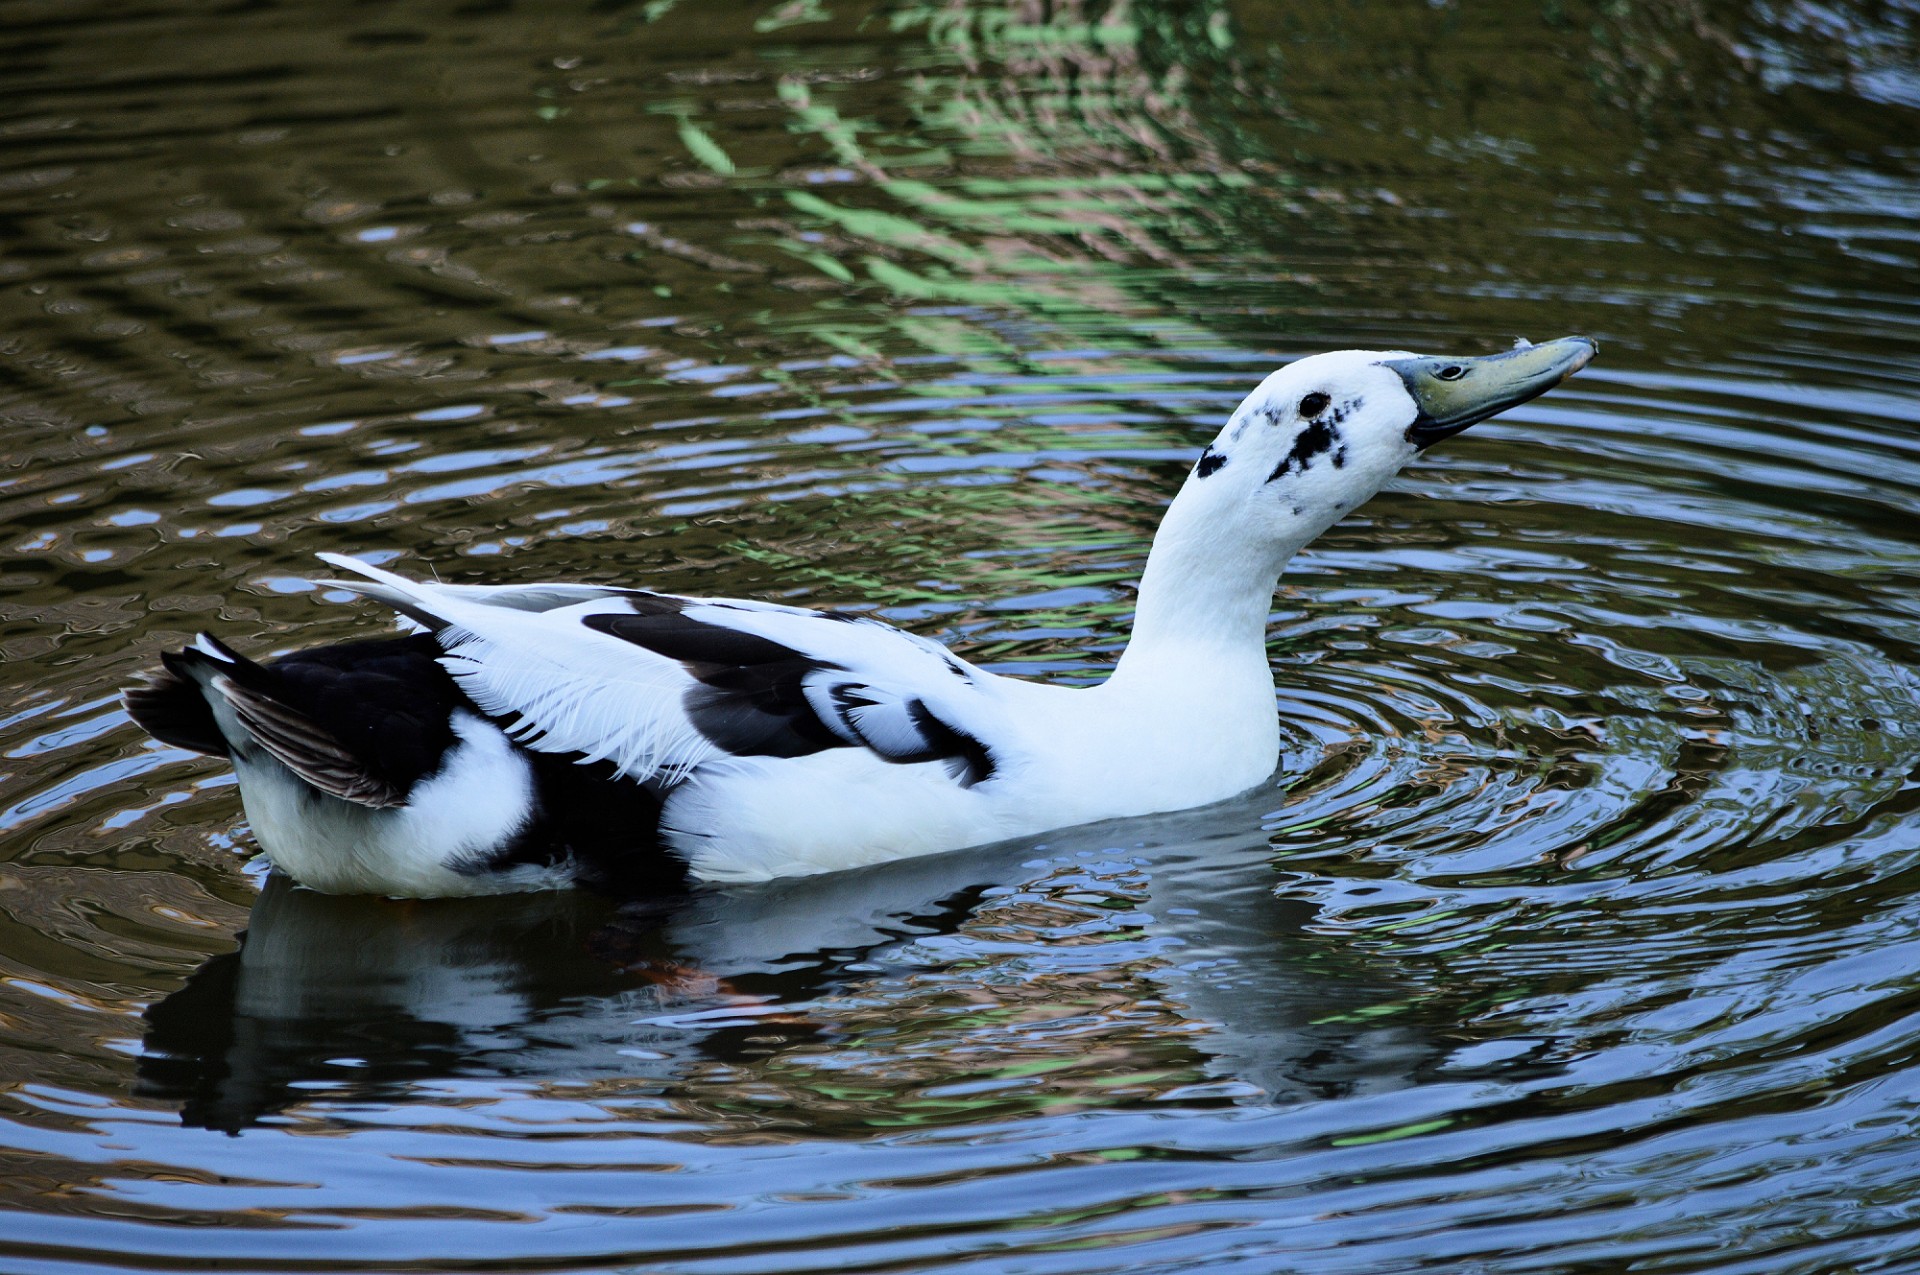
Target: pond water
(1580, 929)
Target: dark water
(1580, 930)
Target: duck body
(803, 742)
(550, 735)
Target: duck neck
(1204, 600)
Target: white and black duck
(546, 735)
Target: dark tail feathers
(170, 704)
(173, 706)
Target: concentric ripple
(1576, 929)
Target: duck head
(1311, 443)
(1321, 435)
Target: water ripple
(1574, 929)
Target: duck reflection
(1149, 960)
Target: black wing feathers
(908, 731)
(303, 747)
(968, 760)
(386, 706)
(670, 633)
(751, 699)
(758, 710)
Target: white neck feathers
(1207, 591)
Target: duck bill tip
(1452, 394)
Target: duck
(538, 736)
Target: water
(1578, 930)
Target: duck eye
(1451, 372)
(1314, 404)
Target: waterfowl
(549, 735)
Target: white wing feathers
(612, 705)
(565, 687)
(867, 715)
(660, 685)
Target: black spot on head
(1210, 461)
(1314, 404)
(1317, 438)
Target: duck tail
(170, 703)
(211, 699)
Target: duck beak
(1455, 393)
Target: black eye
(1451, 372)
(1314, 404)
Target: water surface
(1577, 931)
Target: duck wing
(660, 684)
